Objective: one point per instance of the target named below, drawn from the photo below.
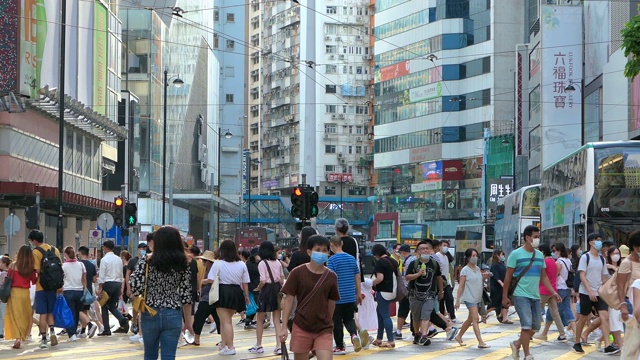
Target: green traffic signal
(132, 220)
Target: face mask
(143, 253)
(502, 258)
(279, 257)
(579, 252)
(615, 258)
(319, 257)
(473, 260)
(554, 256)
(424, 256)
(598, 245)
(444, 249)
(535, 243)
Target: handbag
(62, 316)
(104, 297)
(514, 281)
(5, 289)
(87, 297)
(140, 302)
(400, 290)
(214, 292)
(307, 298)
(609, 291)
(278, 287)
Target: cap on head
(142, 246)
(624, 251)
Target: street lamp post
(177, 82)
(227, 135)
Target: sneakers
(339, 351)
(241, 322)
(135, 338)
(432, 333)
(100, 328)
(212, 328)
(562, 339)
(515, 352)
(141, 341)
(540, 337)
(397, 335)
(105, 333)
(611, 349)
(227, 351)
(134, 328)
(577, 347)
(91, 330)
(451, 334)
(368, 342)
(256, 350)
(82, 336)
(424, 341)
(43, 344)
(416, 338)
(529, 357)
(249, 327)
(355, 340)
(63, 332)
(54, 339)
(73, 338)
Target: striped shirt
(528, 286)
(346, 268)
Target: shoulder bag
(274, 287)
(514, 281)
(609, 291)
(5, 288)
(400, 291)
(140, 302)
(214, 292)
(307, 298)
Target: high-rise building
(444, 73)
(314, 99)
(253, 79)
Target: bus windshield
(412, 234)
(617, 182)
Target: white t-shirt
(74, 271)
(231, 273)
(593, 273)
(443, 260)
(635, 285)
(565, 265)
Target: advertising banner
(270, 183)
(452, 170)
(337, 177)
(393, 71)
(432, 171)
(100, 59)
(426, 92)
(561, 66)
(498, 188)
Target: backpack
(51, 274)
(576, 280)
(570, 276)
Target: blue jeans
(74, 300)
(162, 330)
(564, 308)
(529, 312)
(384, 319)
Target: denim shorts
(529, 312)
(470, 304)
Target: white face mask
(444, 249)
(615, 258)
(535, 243)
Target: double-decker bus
(412, 234)
(477, 236)
(514, 213)
(594, 189)
(248, 237)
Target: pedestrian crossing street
(118, 346)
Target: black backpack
(51, 274)
(576, 279)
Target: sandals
(256, 350)
(376, 343)
(485, 346)
(17, 344)
(388, 345)
(459, 340)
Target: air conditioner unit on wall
(326, 136)
(342, 56)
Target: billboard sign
(426, 92)
(393, 71)
(498, 188)
(452, 170)
(432, 171)
(561, 66)
(100, 58)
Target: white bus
(478, 236)
(514, 213)
(594, 189)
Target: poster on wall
(432, 171)
(561, 66)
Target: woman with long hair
(470, 292)
(301, 257)
(564, 307)
(17, 322)
(384, 270)
(204, 309)
(75, 281)
(234, 291)
(271, 281)
(616, 326)
(546, 298)
(168, 291)
(498, 271)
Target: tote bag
(214, 292)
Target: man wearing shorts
(44, 300)
(526, 297)
(593, 271)
(312, 329)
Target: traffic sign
(95, 238)
(105, 221)
(11, 225)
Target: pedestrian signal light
(130, 214)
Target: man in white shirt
(443, 260)
(110, 283)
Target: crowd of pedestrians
(174, 291)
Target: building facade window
(229, 98)
(330, 149)
(330, 89)
(231, 17)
